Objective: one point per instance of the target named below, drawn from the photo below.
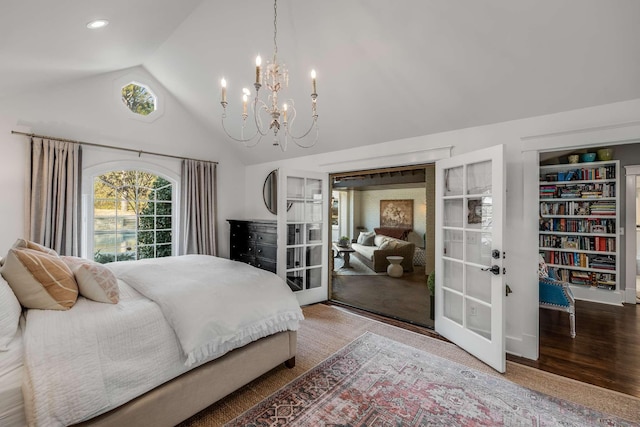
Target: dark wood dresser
(254, 242)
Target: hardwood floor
(605, 351)
(405, 298)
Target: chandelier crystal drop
(281, 118)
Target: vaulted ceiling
(386, 70)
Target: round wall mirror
(270, 192)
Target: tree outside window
(139, 98)
(133, 216)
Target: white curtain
(54, 195)
(199, 207)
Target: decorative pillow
(95, 281)
(543, 269)
(40, 280)
(392, 244)
(385, 245)
(10, 311)
(377, 241)
(24, 243)
(366, 238)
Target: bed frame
(193, 391)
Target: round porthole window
(139, 99)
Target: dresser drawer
(247, 259)
(270, 238)
(266, 265)
(266, 251)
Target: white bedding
(95, 357)
(11, 367)
(213, 304)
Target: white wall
(370, 206)
(521, 308)
(90, 110)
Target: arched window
(133, 216)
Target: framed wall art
(396, 213)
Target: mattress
(11, 370)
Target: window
(133, 216)
(139, 98)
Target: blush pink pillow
(95, 281)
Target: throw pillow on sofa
(366, 238)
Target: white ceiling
(386, 70)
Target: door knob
(494, 269)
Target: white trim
(408, 158)
(88, 175)
(631, 172)
(616, 134)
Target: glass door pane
(304, 235)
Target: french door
(470, 289)
(302, 233)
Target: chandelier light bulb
(284, 112)
(223, 83)
(258, 64)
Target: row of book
(587, 225)
(584, 243)
(582, 174)
(578, 259)
(603, 207)
(585, 278)
(578, 191)
(565, 208)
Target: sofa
(374, 249)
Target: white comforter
(95, 357)
(213, 304)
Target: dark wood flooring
(406, 298)
(605, 351)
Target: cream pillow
(386, 244)
(392, 244)
(24, 243)
(379, 239)
(40, 280)
(95, 281)
(10, 311)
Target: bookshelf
(578, 230)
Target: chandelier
(274, 76)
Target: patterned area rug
(375, 381)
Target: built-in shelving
(578, 233)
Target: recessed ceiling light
(98, 23)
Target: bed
(185, 332)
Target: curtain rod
(113, 147)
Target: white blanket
(213, 304)
(95, 357)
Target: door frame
(632, 173)
(532, 146)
